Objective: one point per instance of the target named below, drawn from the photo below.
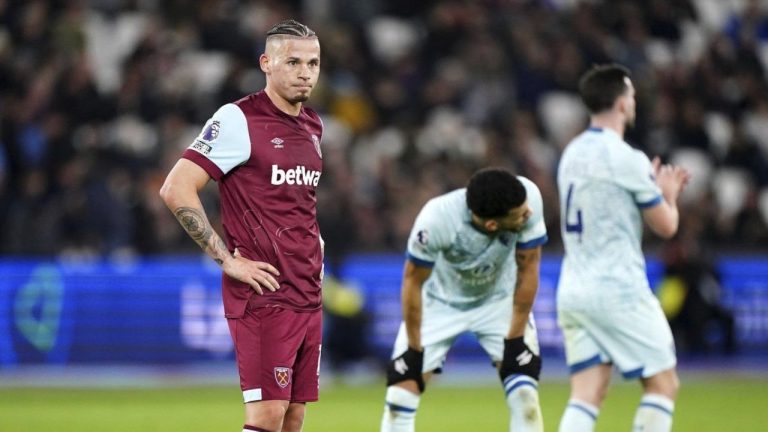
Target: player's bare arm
(180, 192)
(196, 224)
(413, 278)
(405, 371)
(528, 261)
(663, 218)
(518, 357)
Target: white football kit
(473, 276)
(606, 308)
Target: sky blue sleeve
(428, 235)
(534, 233)
(225, 140)
(634, 172)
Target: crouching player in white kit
(472, 265)
(606, 309)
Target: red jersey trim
(204, 163)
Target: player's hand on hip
(519, 359)
(408, 366)
(257, 274)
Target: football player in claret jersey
(264, 152)
(606, 309)
(472, 266)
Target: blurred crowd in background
(99, 98)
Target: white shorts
(637, 339)
(442, 324)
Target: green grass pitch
(705, 404)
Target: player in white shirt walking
(606, 309)
(472, 266)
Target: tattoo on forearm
(196, 224)
(219, 249)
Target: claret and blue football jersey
(268, 165)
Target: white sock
(579, 417)
(523, 402)
(654, 414)
(399, 410)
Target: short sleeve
(223, 144)
(633, 171)
(428, 235)
(534, 232)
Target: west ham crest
(316, 142)
(283, 376)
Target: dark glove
(519, 359)
(406, 367)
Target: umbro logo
(277, 142)
(524, 358)
(400, 366)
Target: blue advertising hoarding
(168, 310)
